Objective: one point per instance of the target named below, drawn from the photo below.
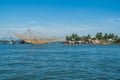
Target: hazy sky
(60, 17)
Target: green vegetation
(8, 41)
(73, 37)
(111, 38)
(4, 41)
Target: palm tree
(99, 35)
(111, 36)
(105, 36)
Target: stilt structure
(29, 37)
(8, 39)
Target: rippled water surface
(59, 62)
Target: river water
(56, 61)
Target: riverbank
(99, 38)
(89, 42)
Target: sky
(60, 17)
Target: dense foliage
(98, 36)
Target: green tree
(99, 35)
(117, 41)
(105, 36)
(88, 36)
(116, 37)
(111, 36)
(73, 37)
(76, 37)
(68, 38)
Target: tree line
(98, 36)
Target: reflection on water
(59, 62)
